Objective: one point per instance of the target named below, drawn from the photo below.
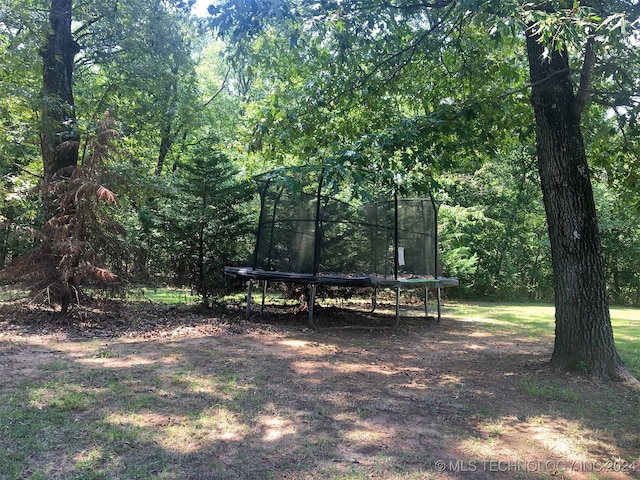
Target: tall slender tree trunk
(583, 337)
(59, 134)
(166, 124)
(202, 280)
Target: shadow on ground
(181, 393)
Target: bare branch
(24, 170)
(224, 82)
(586, 76)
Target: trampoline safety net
(309, 225)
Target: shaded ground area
(167, 392)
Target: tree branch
(393, 63)
(423, 4)
(77, 33)
(224, 82)
(24, 170)
(586, 76)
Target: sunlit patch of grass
(547, 391)
(61, 396)
(164, 295)
(480, 447)
(563, 437)
(192, 382)
(363, 436)
(626, 331)
(89, 459)
(537, 321)
(275, 427)
(417, 475)
(494, 428)
(9, 293)
(105, 353)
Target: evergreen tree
(208, 221)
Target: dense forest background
(173, 121)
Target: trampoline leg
(426, 302)
(249, 289)
(264, 294)
(374, 300)
(397, 307)
(439, 305)
(312, 301)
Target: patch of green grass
(115, 437)
(547, 391)
(64, 416)
(534, 320)
(537, 321)
(9, 293)
(38, 475)
(28, 430)
(60, 396)
(626, 331)
(165, 295)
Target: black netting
(311, 225)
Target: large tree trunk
(59, 133)
(59, 136)
(583, 337)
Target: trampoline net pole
(317, 234)
(263, 192)
(273, 227)
(395, 235)
(436, 273)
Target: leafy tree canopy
(407, 84)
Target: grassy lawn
(165, 295)
(218, 397)
(537, 321)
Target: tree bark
(583, 337)
(59, 134)
(166, 124)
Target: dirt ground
(445, 400)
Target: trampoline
(320, 227)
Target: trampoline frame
(361, 281)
